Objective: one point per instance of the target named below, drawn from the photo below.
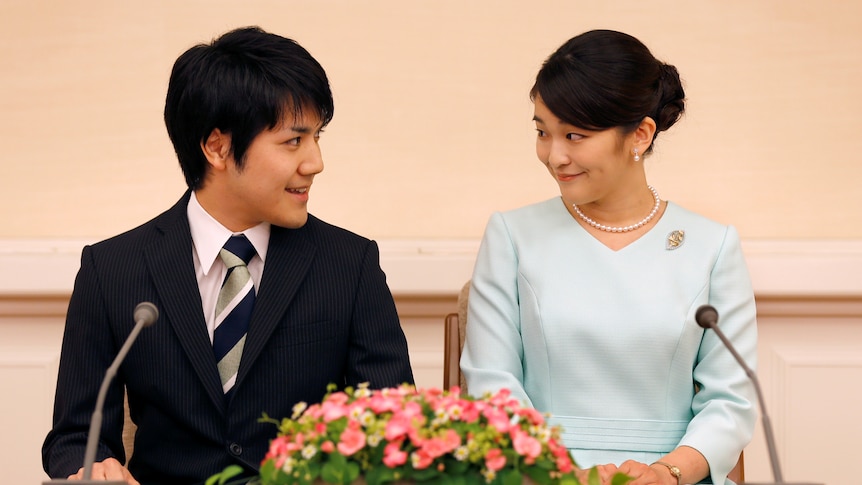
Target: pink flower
(420, 460)
(526, 445)
(397, 427)
(415, 436)
(439, 446)
(393, 456)
(433, 447)
(327, 447)
(412, 409)
(451, 439)
(497, 418)
(293, 446)
(503, 399)
(277, 447)
(533, 416)
(564, 464)
(333, 410)
(352, 439)
(382, 403)
(338, 398)
(420, 429)
(494, 459)
(557, 449)
(469, 412)
(312, 411)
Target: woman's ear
(642, 136)
(216, 149)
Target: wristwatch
(674, 470)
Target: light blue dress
(606, 340)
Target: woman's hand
(606, 473)
(644, 474)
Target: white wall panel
(809, 318)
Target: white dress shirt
(208, 238)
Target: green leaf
(474, 479)
(314, 469)
(379, 475)
(337, 459)
(439, 480)
(425, 474)
(267, 471)
(221, 478)
(620, 479)
(538, 475)
(339, 470)
(455, 467)
(351, 472)
(332, 473)
(267, 419)
(569, 480)
(511, 477)
(594, 477)
(545, 465)
(456, 480)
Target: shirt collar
(209, 235)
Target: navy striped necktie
(233, 308)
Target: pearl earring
(637, 157)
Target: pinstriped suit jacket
(323, 314)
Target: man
(244, 114)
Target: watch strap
(673, 469)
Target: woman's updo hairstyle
(605, 79)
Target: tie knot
(239, 247)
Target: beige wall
(432, 129)
(432, 133)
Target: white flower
(489, 475)
(362, 390)
(298, 409)
(439, 421)
(456, 412)
(461, 453)
(309, 451)
(366, 419)
(441, 417)
(374, 439)
(543, 434)
(288, 465)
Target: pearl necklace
(632, 227)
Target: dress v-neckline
(646, 235)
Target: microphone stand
(145, 315)
(707, 317)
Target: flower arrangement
(405, 434)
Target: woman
(583, 305)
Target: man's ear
(216, 149)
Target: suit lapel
(288, 259)
(173, 272)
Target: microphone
(145, 315)
(707, 317)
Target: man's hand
(110, 469)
